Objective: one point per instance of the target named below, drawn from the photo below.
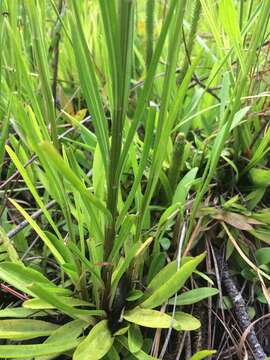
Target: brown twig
(240, 310)
(9, 290)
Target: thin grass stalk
(192, 34)
(150, 18)
(126, 26)
(144, 96)
(119, 112)
(41, 59)
(89, 83)
(111, 32)
(56, 46)
(165, 123)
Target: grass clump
(134, 161)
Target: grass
(134, 141)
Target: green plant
(132, 172)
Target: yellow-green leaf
(203, 354)
(22, 329)
(260, 177)
(96, 344)
(172, 284)
(186, 322)
(150, 318)
(193, 296)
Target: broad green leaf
(158, 262)
(194, 296)
(165, 273)
(134, 295)
(239, 116)
(21, 277)
(41, 304)
(121, 331)
(66, 333)
(186, 322)
(135, 339)
(23, 329)
(262, 234)
(203, 354)
(150, 318)
(97, 343)
(141, 355)
(30, 351)
(263, 255)
(184, 186)
(60, 304)
(20, 312)
(260, 177)
(172, 284)
(113, 354)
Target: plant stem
(150, 11)
(126, 23)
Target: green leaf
(150, 318)
(30, 351)
(260, 177)
(170, 285)
(61, 166)
(32, 188)
(135, 339)
(60, 304)
(263, 255)
(66, 333)
(20, 313)
(184, 186)
(230, 22)
(203, 354)
(41, 304)
(141, 355)
(8, 246)
(165, 243)
(186, 322)
(97, 343)
(239, 116)
(164, 274)
(23, 329)
(194, 296)
(21, 277)
(169, 213)
(88, 82)
(262, 234)
(40, 232)
(134, 295)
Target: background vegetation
(134, 168)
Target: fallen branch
(240, 310)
